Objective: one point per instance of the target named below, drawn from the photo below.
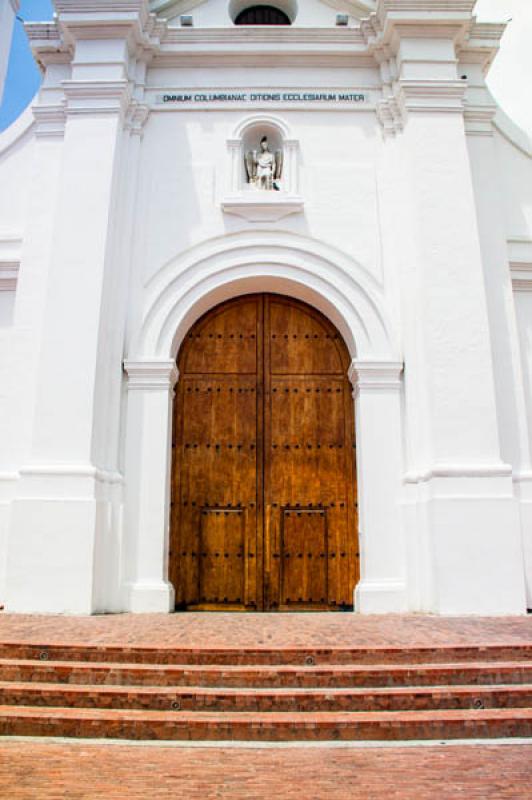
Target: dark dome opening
(262, 15)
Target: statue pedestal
(262, 206)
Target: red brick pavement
(265, 630)
(78, 771)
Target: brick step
(264, 726)
(440, 654)
(267, 676)
(287, 699)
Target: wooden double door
(263, 476)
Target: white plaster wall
(15, 166)
(489, 193)
(16, 154)
(523, 303)
(515, 174)
(338, 183)
(108, 220)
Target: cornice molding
(520, 262)
(408, 85)
(375, 375)
(521, 273)
(390, 115)
(481, 43)
(479, 119)
(242, 47)
(424, 6)
(8, 275)
(520, 285)
(47, 43)
(406, 97)
(431, 95)
(243, 35)
(101, 6)
(81, 17)
(423, 19)
(151, 375)
(49, 120)
(71, 471)
(427, 12)
(94, 19)
(374, 41)
(265, 57)
(136, 117)
(96, 97)
(495, 470)
(262, 206)
(378, 32)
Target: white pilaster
(235, 164)
(522, 282)
(66, 516)
(16, 427)
(377, 392)
(465, 517)
(148, 458)
(508, 370)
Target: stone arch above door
(257, 261)
(177, 295)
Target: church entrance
(264, 512)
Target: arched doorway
(263, 513)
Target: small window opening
(262, 15)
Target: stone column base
(381, 597)
(151, 598)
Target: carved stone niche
(245, 198)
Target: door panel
(222, 544)
(301, 342)
(303, 560)
(225, 342)
(263, 483)
(308, 454)
(217, 472)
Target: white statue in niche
(264, 169)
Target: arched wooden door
(263, 477)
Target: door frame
(263, 600)
(335, 284)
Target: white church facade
(265, 313)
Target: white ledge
(495, 470)
(151, 374)
(8, 275)
(375, 374)
(262, 206)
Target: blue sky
(23, 77)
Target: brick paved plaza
(55, 769)
(79, 771)
(266, 630)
